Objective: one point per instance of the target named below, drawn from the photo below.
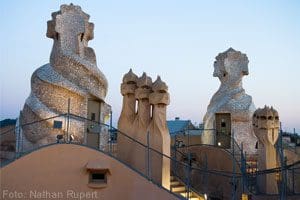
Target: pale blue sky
(175, 39)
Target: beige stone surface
(46, 172)
(127, 116)
(71, 74)
(210, 158)
(149, 116)
(185, 139)
(230, 67)
(143, 117)
(141, 122)
(266, 127)
(159, 133)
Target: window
(151, 112)
(57, 124)
(223, 124)
(97, 177)
(98, 174)
(136, 106)
(270, 118)
(93, 116)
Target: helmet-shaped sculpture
(159, 133)
(129, 84)
(266, 128)
(160, 93)
(128, 114)
(144, 84)
(146, 124)
(266, 125)
(230, 66)
(71, 31)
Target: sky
(177, 40)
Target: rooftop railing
(194, 174)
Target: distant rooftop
(179, 126)
(7, 122)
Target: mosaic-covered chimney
(230, 109)
(71, 74)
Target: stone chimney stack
(266, 128)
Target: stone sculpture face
(266, 125)
(231, 66)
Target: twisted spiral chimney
(71, 74)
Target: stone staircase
(180, 189)
(251, 166)
(251, 170)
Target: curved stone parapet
(71, 74)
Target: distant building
(183, 132)
(7, 140)
(7, 122)
(290, 139)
